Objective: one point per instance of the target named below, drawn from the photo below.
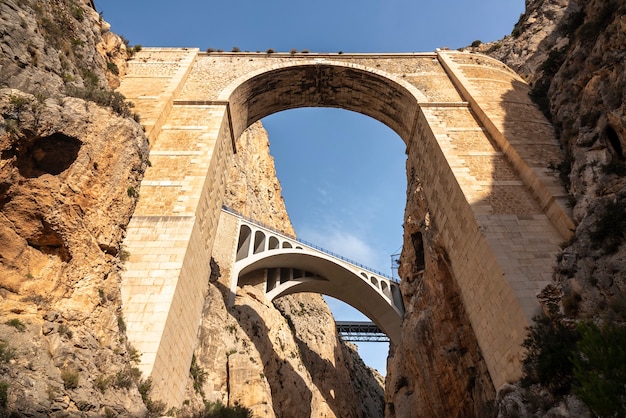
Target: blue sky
(342, 173)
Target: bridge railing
(308, 244)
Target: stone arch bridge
(482, 151)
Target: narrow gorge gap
(344, 184)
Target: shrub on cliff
(600, 368)
(550, 344)
(219, 410)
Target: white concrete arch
(365, 290)
(330, 278)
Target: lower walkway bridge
(290, 265)
(360, 331)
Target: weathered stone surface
(438, 368)
(66, 166)
(572, 53)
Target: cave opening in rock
(52, 154)
(615, 142)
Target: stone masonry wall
(500, 220)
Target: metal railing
(308, 244)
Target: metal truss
(360, 331)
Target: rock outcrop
(437, 369)
(71, 161)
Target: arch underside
(323, 276)
(324, 85)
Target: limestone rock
(437, 369)
(66, 165)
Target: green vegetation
(131, 192)
(235, 49)
(6, 352)
(18, 102)
(124, 256)
(564, 168)
(70, 378)
(113, 68)
(102, 382)
(125, 378)
(586, 359)
(600, 368)
(198, 375)
(476, 43)
(550, 345)
(107, 98)
(65, 330)
(4, 395)
(17, 324)
(121, 325)
(218, 410)
(155, 408)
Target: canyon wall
(71, 162)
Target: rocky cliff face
(437, 370)
(282, 359)
(71, 162)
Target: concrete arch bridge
(286, 265)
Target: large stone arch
(449, 108)
(323, 83)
